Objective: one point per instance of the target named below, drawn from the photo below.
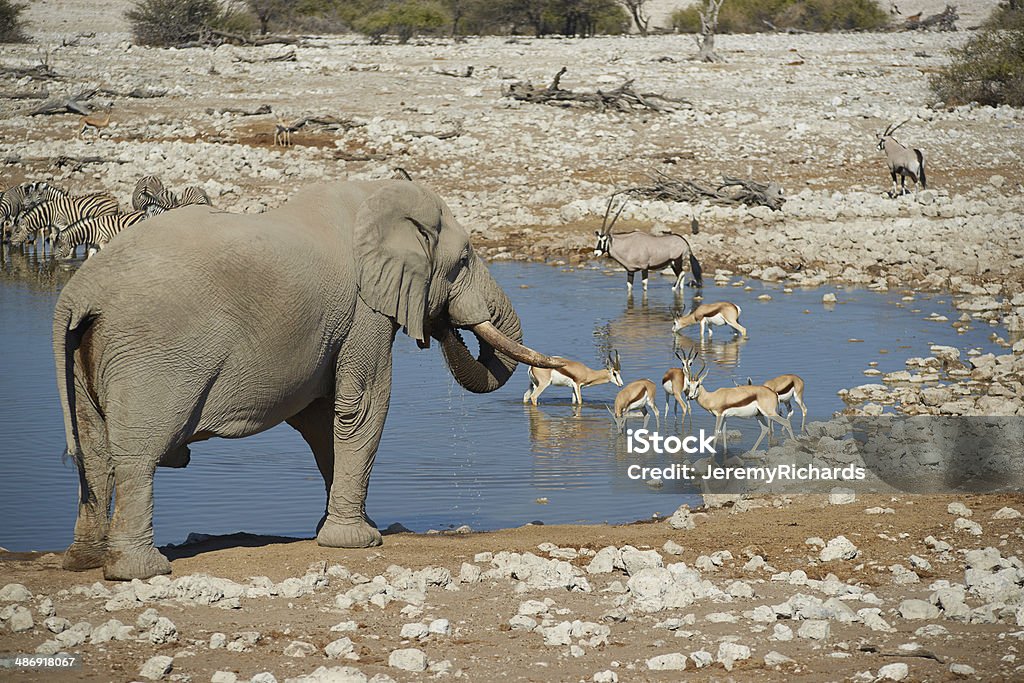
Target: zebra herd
(40, 213)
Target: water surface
(449, 457)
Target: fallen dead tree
(730, 192)
(209, 37)
(322, 123)
(258, 111)
(943, 21)
(622, 98)
(73, 104)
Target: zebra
(146, 189)
(56, 215)
(193, 194)
(94, 233)
(21, 198)
(162, 201)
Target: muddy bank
(926, 586)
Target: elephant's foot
(352, 535)
(135, 563)
(81, 556)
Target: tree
(11, 24)
(405, 19)
(640, 18)
(267, 11)
(708, 26)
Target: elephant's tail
(69, 324)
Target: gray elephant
(199, 324)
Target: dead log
(343, 155)
(943, 21)
(286, 56)
(623, 98)
(258, 111)
(444, 135)
(77, 163)
(66, 105)
(39, 71)
(730, 192)
(467, 73)
(25, 95)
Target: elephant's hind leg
(315, 423)
(131, 553)
(95, 489)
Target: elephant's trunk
(500, 346)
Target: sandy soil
(482, 647)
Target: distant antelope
(676, 381)
(902, 160)
(710, 315)
(789, 388)
(575, 375)
(94, 121)
(642, 251)
(756, 401)
(637, 395)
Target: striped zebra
(146, 189)
(53, 216)
(193, 194)
(94, 233)
(162, 201)
(21, 198)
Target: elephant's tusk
(490, 334)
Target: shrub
(173, 22)
(404, 19)
(988, 69)
(752, 16)
(12, 28)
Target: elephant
(200, 323)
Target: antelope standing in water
(574, 375)
(710, 315)
(675, 382)
(902, 160)
(757, 401)
(789, 388)
(645, 252)
(637, 395)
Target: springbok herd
(37, 213)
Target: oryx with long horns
(642, 251)
(902, 160)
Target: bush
(404, 19)
(12, 28)
(752, 16)
(173, 22)
(988, 69)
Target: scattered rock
(157, 667)
(408, 659)
(674, 661)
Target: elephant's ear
(397, 230)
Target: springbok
(902, 160)
(94, 121)
(637, 395)
(710, 315)
(789, 388)
(756, 401)
(642, 251)
(575, 375)
(675, 382)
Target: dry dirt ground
(481, 646)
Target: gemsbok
(789, 388)
(574, 375)
(637, 395)
(710, 315)
(757, 401)
(902, 160)
(642, 251)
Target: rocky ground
(909, 591)
(810, 587)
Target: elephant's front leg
(363, 394)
